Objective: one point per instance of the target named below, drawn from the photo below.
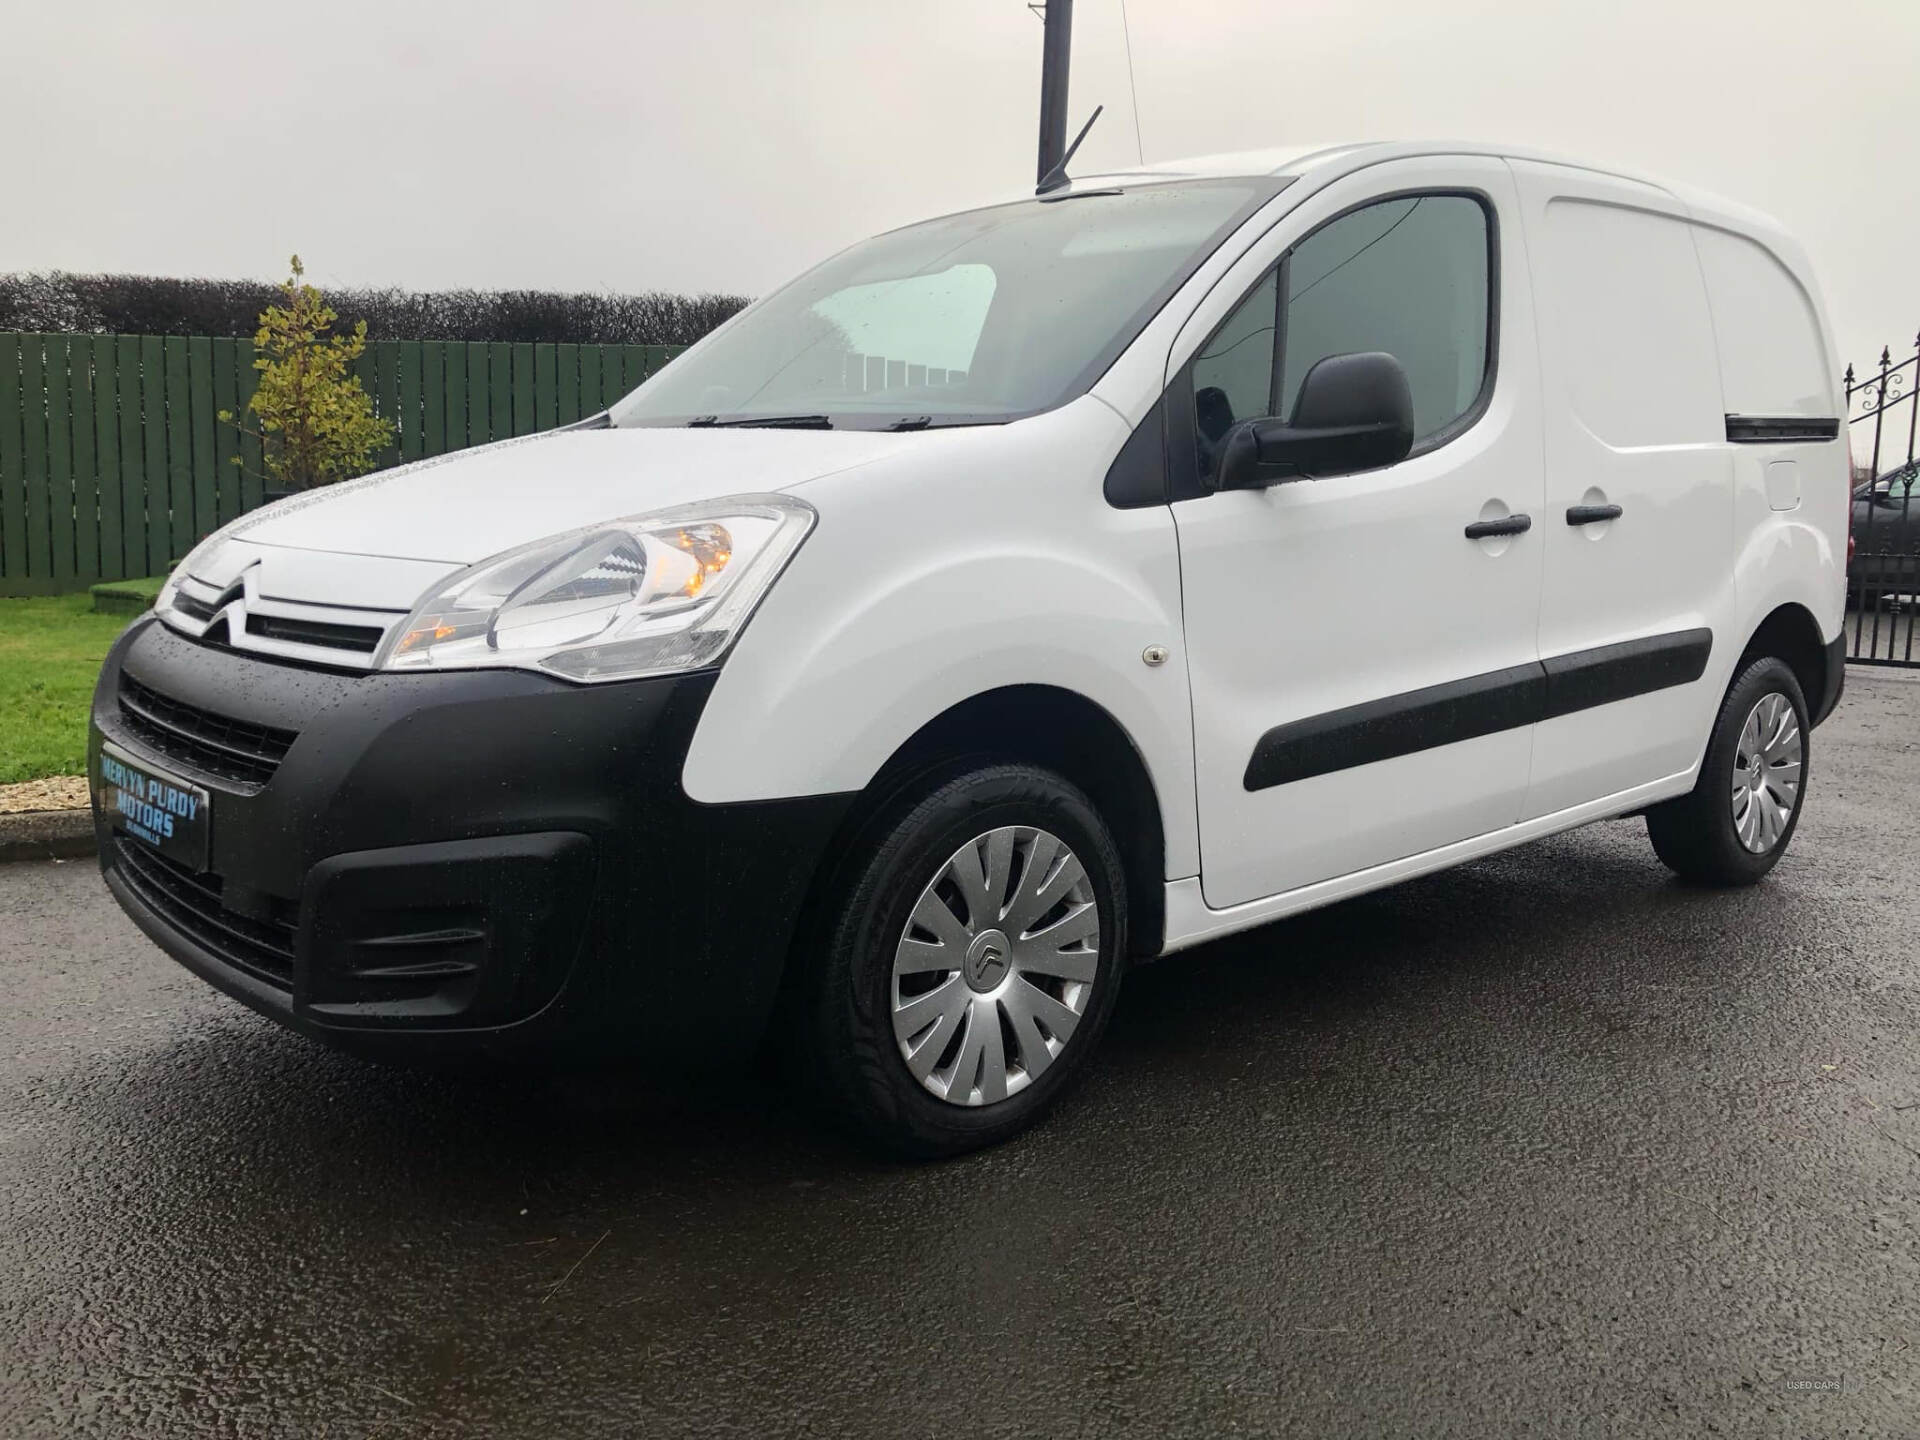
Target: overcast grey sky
(723, 144)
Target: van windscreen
(974, 318)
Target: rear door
(1637, 521)
(1360, 667)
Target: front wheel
(970, 956)
(1735, 824)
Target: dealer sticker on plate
(152, 806)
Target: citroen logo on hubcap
(987, 960)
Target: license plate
(154, 807)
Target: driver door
(1359, 665)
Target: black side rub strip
(1779, 429)
(1600, 676)
(1398, 725)
(1478, 705)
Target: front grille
(192, 905)
(216, 745)
(196, 609)
(362, 639)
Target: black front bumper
(470, 860)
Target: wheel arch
(1790, 633)
(1061, 730)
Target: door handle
(1591, 514)
(1506, 525)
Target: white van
(1011, 598)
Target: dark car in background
(1884, 565)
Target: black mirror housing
(1355, 412)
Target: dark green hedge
(159, 305)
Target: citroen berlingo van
(1010, 599)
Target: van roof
(1322, 163)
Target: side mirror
(1894, 492)
(1355, 412)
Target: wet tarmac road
(1548, 1144)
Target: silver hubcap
(995, 967)
(1766, 773)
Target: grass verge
(50, 652)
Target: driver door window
(1409, 275)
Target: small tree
(316, 421)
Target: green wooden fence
(113, 461)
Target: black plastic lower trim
(480, 860)
(1477, 705)
(1835, 657)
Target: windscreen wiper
(943, 422)
(772, 422)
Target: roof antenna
(1057, 177)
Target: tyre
(1736, 822)
(969, 952)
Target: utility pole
(1054, 59)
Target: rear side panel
(1785, 423)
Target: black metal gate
(1883, 556)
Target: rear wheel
(1736, 823)
(969, 958)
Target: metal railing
(1883, 564)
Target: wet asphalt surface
(1549, 1144)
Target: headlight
(642, 596)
